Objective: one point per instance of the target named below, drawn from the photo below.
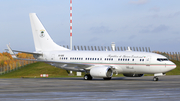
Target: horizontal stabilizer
(35, 53)
(14, 55)
(11, 52)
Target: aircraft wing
(62, 64)
(65, 64)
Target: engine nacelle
(101, 71)
(133, 75)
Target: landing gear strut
(155, 78)
(87, 77)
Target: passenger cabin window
(141, 59)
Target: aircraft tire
(87, 77)
(155, 79)
(109, 78)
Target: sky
(134, 23)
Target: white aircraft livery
(96, 64)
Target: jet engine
(133, 75)
(101, 72)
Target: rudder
(42, 40)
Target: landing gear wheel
(87, 77)
(155, 79)
(109, 78)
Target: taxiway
(119, 88)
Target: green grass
(34, 70)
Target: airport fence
(14, 66)
(108, 48)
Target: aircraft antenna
(71, 24)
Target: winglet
(11, 52)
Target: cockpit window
(162, 59)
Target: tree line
(6, 60)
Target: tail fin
(42, 40)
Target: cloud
(157, 29)
(177, 13)
(154, 9)
(132, 37)
(160, 28)
(154, 16)
(93, 39)
(176, 32)
(174, 15)
(138, 2)
(100, 30)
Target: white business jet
(96, 64)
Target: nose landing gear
(157, 75)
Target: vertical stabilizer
(42, 40)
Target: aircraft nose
(173, 65)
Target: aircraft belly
(159, 69)
(142, 69)
(135, 69)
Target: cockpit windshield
(162, 59)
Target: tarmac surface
(119, 88)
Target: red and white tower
(71, 27)
(71, 24)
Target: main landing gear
(87, 77)
(108, 78)
(155, 78)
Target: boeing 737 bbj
(100, 64)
